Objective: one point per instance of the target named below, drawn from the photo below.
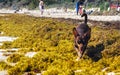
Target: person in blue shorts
(77, 7)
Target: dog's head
(79, 40)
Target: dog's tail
(84, 14)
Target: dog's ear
(75, 32)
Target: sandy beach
(59, 13)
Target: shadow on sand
(95, 52)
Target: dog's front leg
(79, 52)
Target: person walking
(41, 6)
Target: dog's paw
(78, 58)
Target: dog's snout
(80, 46)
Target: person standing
(81, 3)
(77, 6)
(41, 6)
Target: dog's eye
(79, 41)
(76, 46)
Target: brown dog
(82, 34)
